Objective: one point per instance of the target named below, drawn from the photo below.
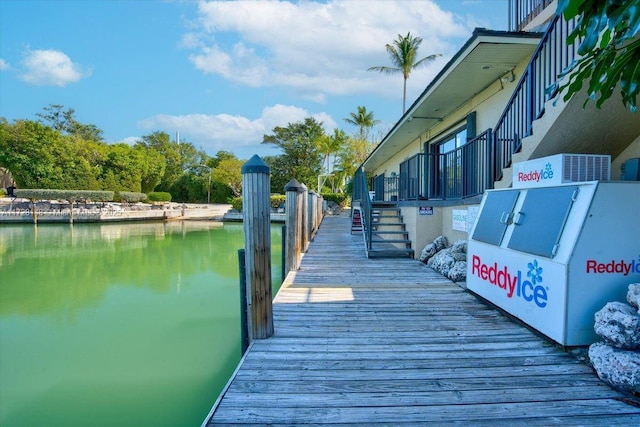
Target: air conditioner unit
(561, 169)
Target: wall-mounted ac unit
(561, 169)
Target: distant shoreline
(12, 211)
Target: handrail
(527, 102)
(361, 194)
(463, 172)
(523, 12)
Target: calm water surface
(118, 324)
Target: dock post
(244, 330)
(311, 213)
(304, 219)
(293, 209)
(256, 207)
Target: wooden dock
(389, 342)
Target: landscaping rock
(458, 273)
(428, 251)
(441, 243)
(459, 247)
(450, 262)
(442, 262)
(619, 325)
(619, 368)
(633, 295)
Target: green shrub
(3, 192)
(69, 195)
(131, 197)
(277, 200)
(236, 203)
(341, 199)
(159, 196)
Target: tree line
(58, 152)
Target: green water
(118, 324)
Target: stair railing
(361, 195)
(527, 102)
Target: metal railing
(464, 172)
(527, 102)
(385, 188)
(361, 196)
(469, 170)
(521, 12)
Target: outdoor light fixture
(424, 117)
(508, 77)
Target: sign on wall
(459, 219)
(425, 210)
(472, 214)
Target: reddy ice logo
(514, 284)
(537, 175)
(614, 266)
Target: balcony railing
(527, 102)
(464, 172)
(521, 12)
(385, 188)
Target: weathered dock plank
(389, 342)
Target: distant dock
(389, 342)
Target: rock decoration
(617, 358)
(451, 262)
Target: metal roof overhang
(485, 58)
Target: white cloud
(4, 65)
(318, 48)
(51, 68)
(238, 134)
(131, 140)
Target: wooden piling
(256, 207)
(293, 210)
(244, 330)
(304, 219)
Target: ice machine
(553, 256)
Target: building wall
(423, 229)
(488, 105)
(631, 152)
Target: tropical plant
(364, 120)
(609, 49)
(301, 158)
(403, 53)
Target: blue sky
(221, 73)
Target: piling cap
(293, 185)
(254, 165)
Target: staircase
(381, 223)
(389, 237)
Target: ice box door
(495, 216)
(538, 226)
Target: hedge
(341, 199)
(69, 195)
(132, 197)
(159, 196)
(275, 201)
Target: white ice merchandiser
(554, 255)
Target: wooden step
(390, 253)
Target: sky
(222, 74)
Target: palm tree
(363, 119)
(403, 53)
(330, 144)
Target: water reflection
(136, 324)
